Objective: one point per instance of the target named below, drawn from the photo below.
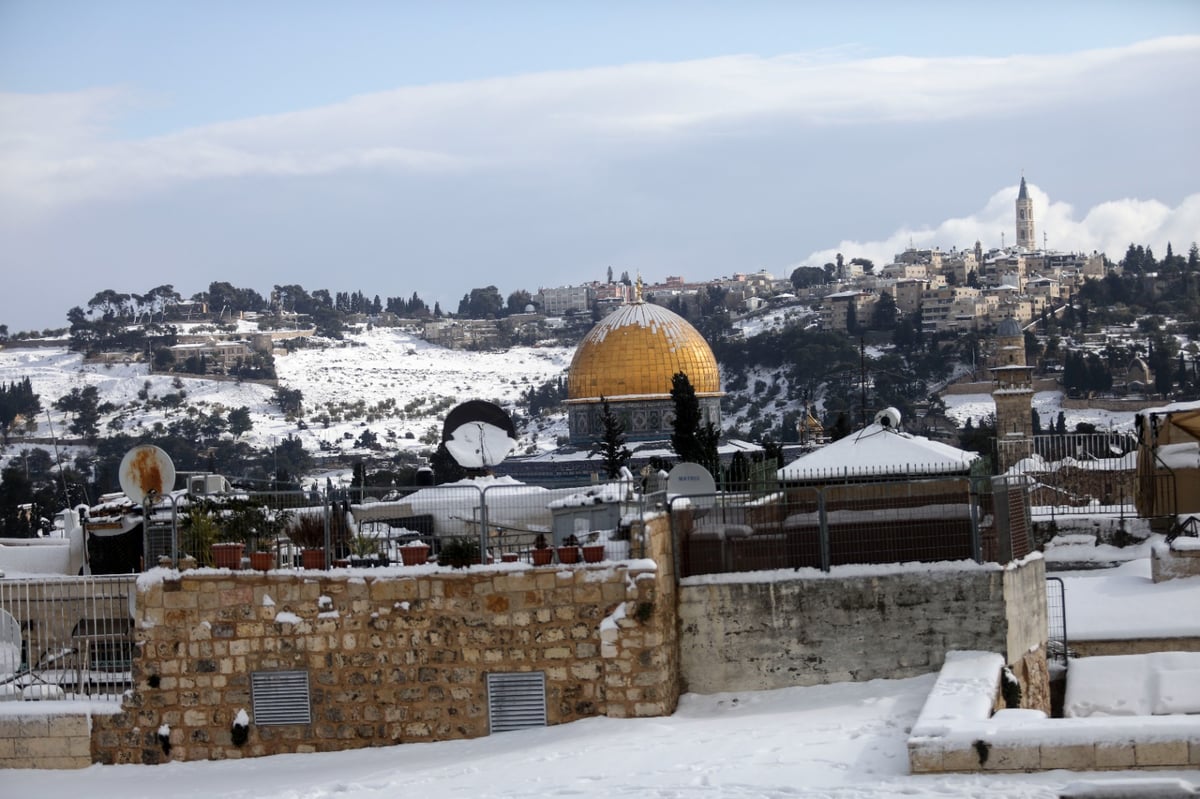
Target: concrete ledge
(957, 731)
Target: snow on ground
(843, 741)
(961, 407)
(840, 741)
(422, 380)
(1123, 603)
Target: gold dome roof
(636, 350)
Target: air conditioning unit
(202, 484)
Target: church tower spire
(1026, 240)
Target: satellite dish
(146, 468)
(692, 480)
(888, 417)
(478, 434)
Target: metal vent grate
(280, 697)
(516, 700)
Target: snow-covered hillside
(385, 379)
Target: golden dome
(635, 351)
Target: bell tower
(1026, 240)
(1012, 392)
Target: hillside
(386, 380)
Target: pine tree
(693, 440)
(611, 445)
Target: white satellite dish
(145, 469)
(692, 480)
(478, 434)
(478, 445)
(888, 417)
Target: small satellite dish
(888, 417)
(478, 434)
(692, 480)
(146, 468)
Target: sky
(401, 147)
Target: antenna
(57, 463)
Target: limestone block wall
(391, 658)
(45, 740)
(851, 624)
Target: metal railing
(339, 527)
(66, 637)
(821, 526)
(1058, 650)
(1075, 473)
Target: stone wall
(897, 622)
(45, 740)
(392, 657)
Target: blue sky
(400, 147)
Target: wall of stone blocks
(45, 740)
(391, 658)
(815, 629)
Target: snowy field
(404, 383)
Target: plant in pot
(459, 553)
(308, 533)
(414, 553)
(200, 533)
(592, 548)
(568, 551)
(542, 554)
(364, 551)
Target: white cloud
(56, 148)
(1109, 227)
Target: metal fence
(66, 638)
(1074, 473)
(822, 526)
(1056, 619)
(350, 527)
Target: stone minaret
(1026, 240)
(1012, 392)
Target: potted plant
(459, 553)
(541, 553)
(308, 533)
(593, 549)
(568, 551)
(414, 553)
(364, 551)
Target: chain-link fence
(348, 527)
(859, 522)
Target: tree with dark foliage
(611, 445)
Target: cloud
(1109, 227)
(57, 149)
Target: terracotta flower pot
(228, 555)
(262, 561)
(568, 554)
(593, 553)
(414, 555)
(312, 558)
(542, 557)
(509, 557)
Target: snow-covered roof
(879, 450)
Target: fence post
(823, 523)
(483, 525)
(973, 503)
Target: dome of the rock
(629, 358)
(635, 351)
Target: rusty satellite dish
(144, 469)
